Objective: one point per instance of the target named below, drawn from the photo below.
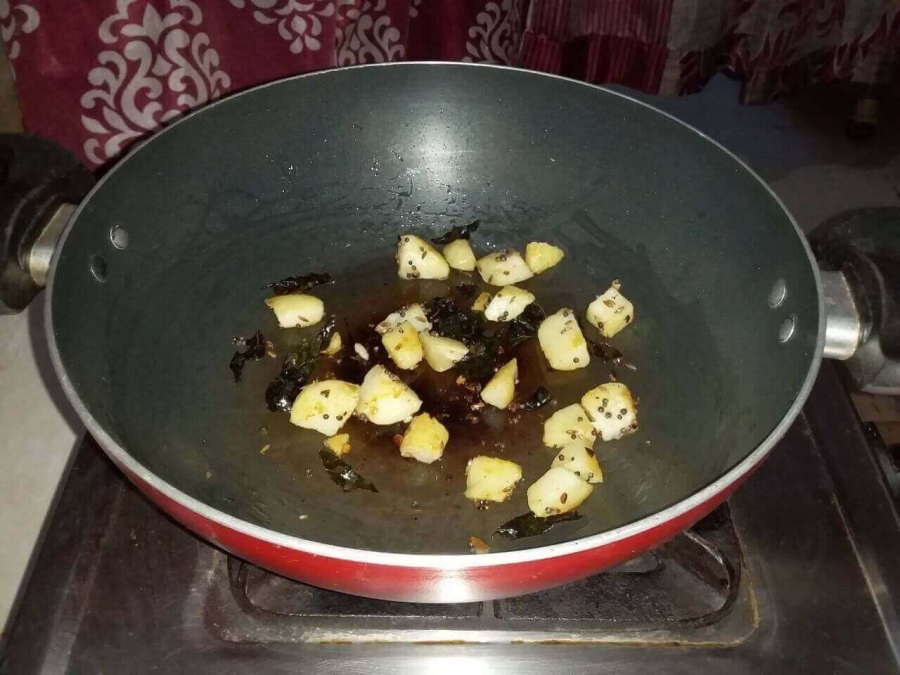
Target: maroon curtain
(96, 75)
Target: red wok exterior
(431, 583)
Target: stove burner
(680, 594)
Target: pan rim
(443, 561)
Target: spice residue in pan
(299, 284)
(343, 474)
(457, 232)
(529, 525)
(255, 350)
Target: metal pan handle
(40, 182)
(862, 297)
(844, 328)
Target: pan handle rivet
(98, 267)
(777, 294)
(118, 235)
(786, 331)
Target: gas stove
(796, 574)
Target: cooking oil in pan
(217, 440)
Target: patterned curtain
(96, 75)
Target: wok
(164, 262)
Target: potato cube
(325, 406)
(417, 259)
(335, 344)
(425, 439)
(413, 313)
(489, 479)
(459, 255)
(509, 303)
(557, 491)
(296, 310)
(481, 302)
(385, 399)
(563, 342)
(579, 460)
(339, 445)
(501, 388)
(403, 346)
(503, 268)
(541, 257)
(611, 409)
(442, 353)
(569, 424)
(610, 312)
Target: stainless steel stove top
(797, 575)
